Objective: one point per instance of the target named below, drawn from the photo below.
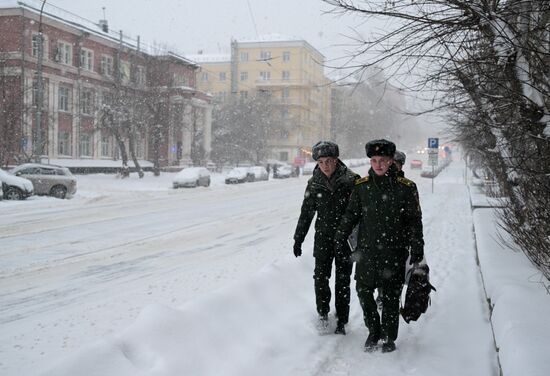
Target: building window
(286, 56)
(87, 101)
(87, 59)
(139, 145)
(283, 156)
(286, 75)
(265, 55)
(286, 93)
(244, 94)
(107, 65)
(125, 71)
(44, 46)
(204, 76)
(265, 76)
(244, 56)
(63, 95)
(141, 77)
(222, 76)
(64, 143)
(180, 80)
(105, 146)
(64, 53)
(244, 76)
(85, 145)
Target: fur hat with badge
(324, 149)
(380, 147)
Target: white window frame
(87, 59)
(244, 56)
(107, 65)
(222, 76)
(64, 53)
(265, 75)
(265, 55)
(87, 100)
(34, 46)
(244, 76)
(141, 77)
(286, 75)
(105, 146)
(286, 56)
(64, 143)
(204, 77)
(64, 98)
(85, 145)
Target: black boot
(340, 328)
(388, 346)
(372, 342)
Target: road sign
(433, 143)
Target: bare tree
(486, 64)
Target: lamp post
(39, 89)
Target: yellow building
(292, 71)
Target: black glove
(415, 258)
(297, 249)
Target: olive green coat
(329, 202)
(388, 212)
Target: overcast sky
(209, 25)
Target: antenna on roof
(103, 23)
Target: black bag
(417, 296)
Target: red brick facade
(86, 70)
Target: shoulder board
(362, 180)
(405, 181)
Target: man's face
(380, 164)
(327, 165)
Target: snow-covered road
(78, 271)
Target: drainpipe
(39, 89)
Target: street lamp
(39, 88)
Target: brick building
(89, 72)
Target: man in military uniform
(327, 195)
(399, 160)
(387, 209)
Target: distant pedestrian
(297, 171)
(387, 209)
(399, 160)
(327, 195)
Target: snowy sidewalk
(518, 296)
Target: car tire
(208, 183)
(13, 193)
(58, 191)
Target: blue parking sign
(433, 143)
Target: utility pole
(39, 89)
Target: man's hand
(297, 249)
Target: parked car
(416, 164)
(237, 175)
(283, 172)
(14, 187)
(50, 180)
(192, 177)
(308, 168)
(257, 173)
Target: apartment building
(86, 68)
(291, 71)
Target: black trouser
(321, 276)
(388, 276)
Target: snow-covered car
(429, 172)
(192, 177)
(49, 180)
(416, 164)
(237, 175)
(257, 173)
(283, 172)
(308, 168)
(15, 187)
